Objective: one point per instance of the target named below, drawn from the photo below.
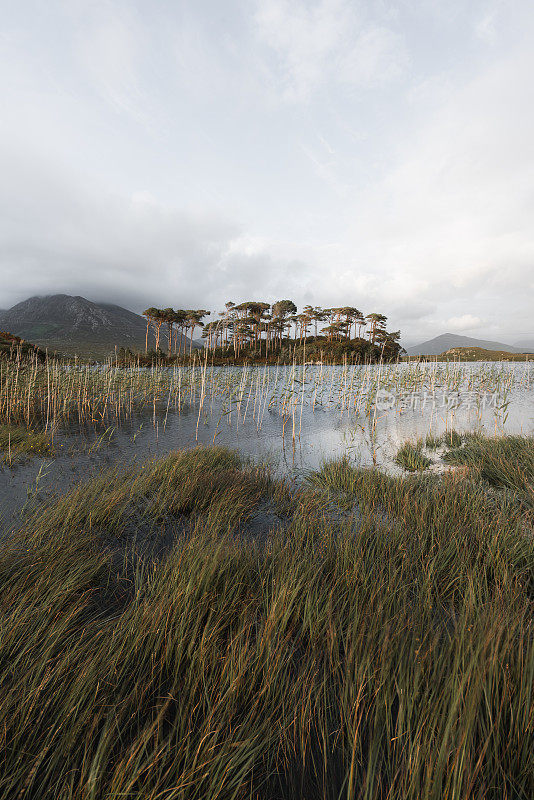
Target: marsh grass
(506, 462)
(452, 438)
(410, 457)
(503, 462)
(18, 442)
(188, 483)
(433, 442)
(363, 656)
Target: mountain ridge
(446, 341)
(525, 342)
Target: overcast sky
(189, 152)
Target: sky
(334, 152)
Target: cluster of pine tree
(260, 329)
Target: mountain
(440, 344)
(77, 325)
(525, 345)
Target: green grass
(475, 354)
(203, 481)
(411, 457)
(453, 439)
(482, 354)
(504, 462)
(362, 655)
(448, 439)
(433, 442)
(18, 442)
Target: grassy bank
(316, 349)
(377, 643)
(14, 348)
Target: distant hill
(440, 344)
(525, 345)
(76, 325)
(481, 354)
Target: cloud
(327, 41)
(110, 51)
(465, 323)
(486, 28)
(332, 151)
(450, 221)
(59, 234)
(377, 57)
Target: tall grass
(382, 652)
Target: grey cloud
(126, 124)
(57, 234)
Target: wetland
(267, 582)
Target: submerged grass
(370, 655)
(18, 442)
(60, 394)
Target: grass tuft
(433, 442)
(452, 438)
(504, 462)
(411, 457)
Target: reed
(55, 394)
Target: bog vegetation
(374, 640)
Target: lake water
(293, 417)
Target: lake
(295, 417)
